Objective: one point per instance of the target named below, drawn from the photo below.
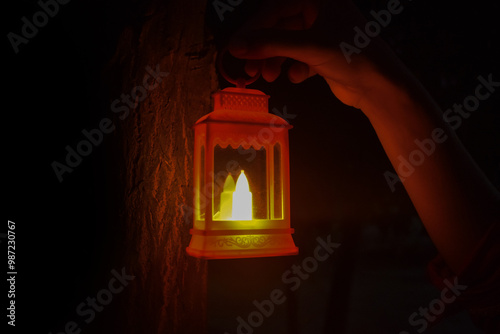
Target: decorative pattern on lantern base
(231, 246)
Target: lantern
(241, 179)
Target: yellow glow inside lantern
(236, 200)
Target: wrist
(398, 99)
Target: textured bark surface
(152, 166)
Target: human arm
(454, 199)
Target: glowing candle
(242, 199)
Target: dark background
(56, 86)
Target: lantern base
(233, 246)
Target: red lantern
(241, 179)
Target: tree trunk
(151, 166)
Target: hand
(454, 199)
(310, 32)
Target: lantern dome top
(242, 105)
(241, 99)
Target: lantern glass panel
(201, 199)
(227, 203)
(277, 189)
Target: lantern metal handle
(240, 82)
